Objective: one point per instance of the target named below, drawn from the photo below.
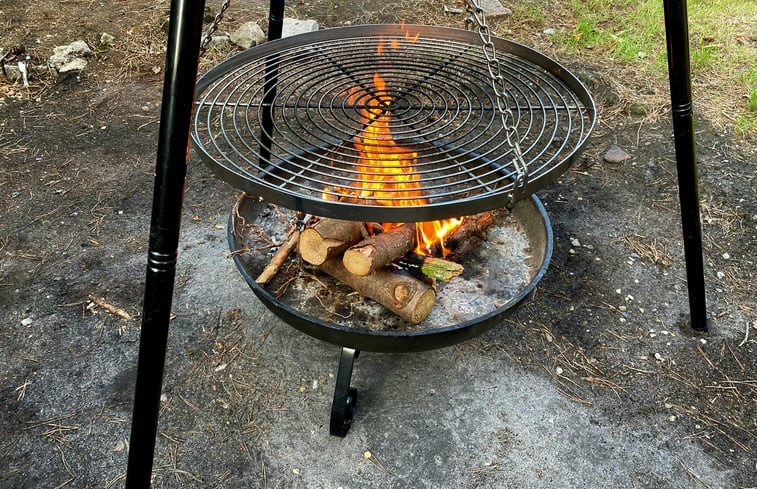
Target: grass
(632, 33)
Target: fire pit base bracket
(345, 397)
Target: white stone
(26, 321)
(70, 57)
(616, 154)
(76, 64)
(217, 41)
(247, 35)
(493, 9)
(292, 27)
(107, 39)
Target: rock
(247, 35)
(71, 57)
(13, 72)
(549, 31)
(292, 27)
(493, 9)
(26, 321)
(218, 41)
(616, 154)
(107, 40)
(76, 64)
(453, 10)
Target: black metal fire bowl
(528, 215)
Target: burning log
(375, 252)
(472, 226)
(408, 297)
(437, 268)
(328, 238)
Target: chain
(476, 15)
(213, 27)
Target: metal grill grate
(280, 121)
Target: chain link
(476, 16)
(213, 27)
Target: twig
(707, 359)
(372, 458)
(746, 335)
(279, 258)
(115, 480)
(695, 477)
(117, 311)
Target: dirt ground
(600, 346)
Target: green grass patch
(747, 120)
(632, 32)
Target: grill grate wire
(315, 87)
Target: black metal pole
(275, 19)
(677, 34)
(275, 27)
(185, 32)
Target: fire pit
(391, 124)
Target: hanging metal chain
(213, 27)
(476, 15)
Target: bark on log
(328, 238)
(472, 226)
(408, 297)
(375, 252)
(437, 268)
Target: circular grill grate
(287, 121)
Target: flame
(387, 170)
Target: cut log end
(374, 253)
(359, 259)
(327, 238)
(314, 249)
(423, 307)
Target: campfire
(396, 264)
(363, 146)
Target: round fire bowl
(503, 270)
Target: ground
(595, 381)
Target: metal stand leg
(677, 34)
(275, 27)
(176, 113)
(345, 397)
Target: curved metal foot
(345, 397)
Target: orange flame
(387, 169)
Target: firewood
(406, 296)
(115, 310)
(437, 268)
(328, 238)
(375, 252)
(472, 226)
(279, 258)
